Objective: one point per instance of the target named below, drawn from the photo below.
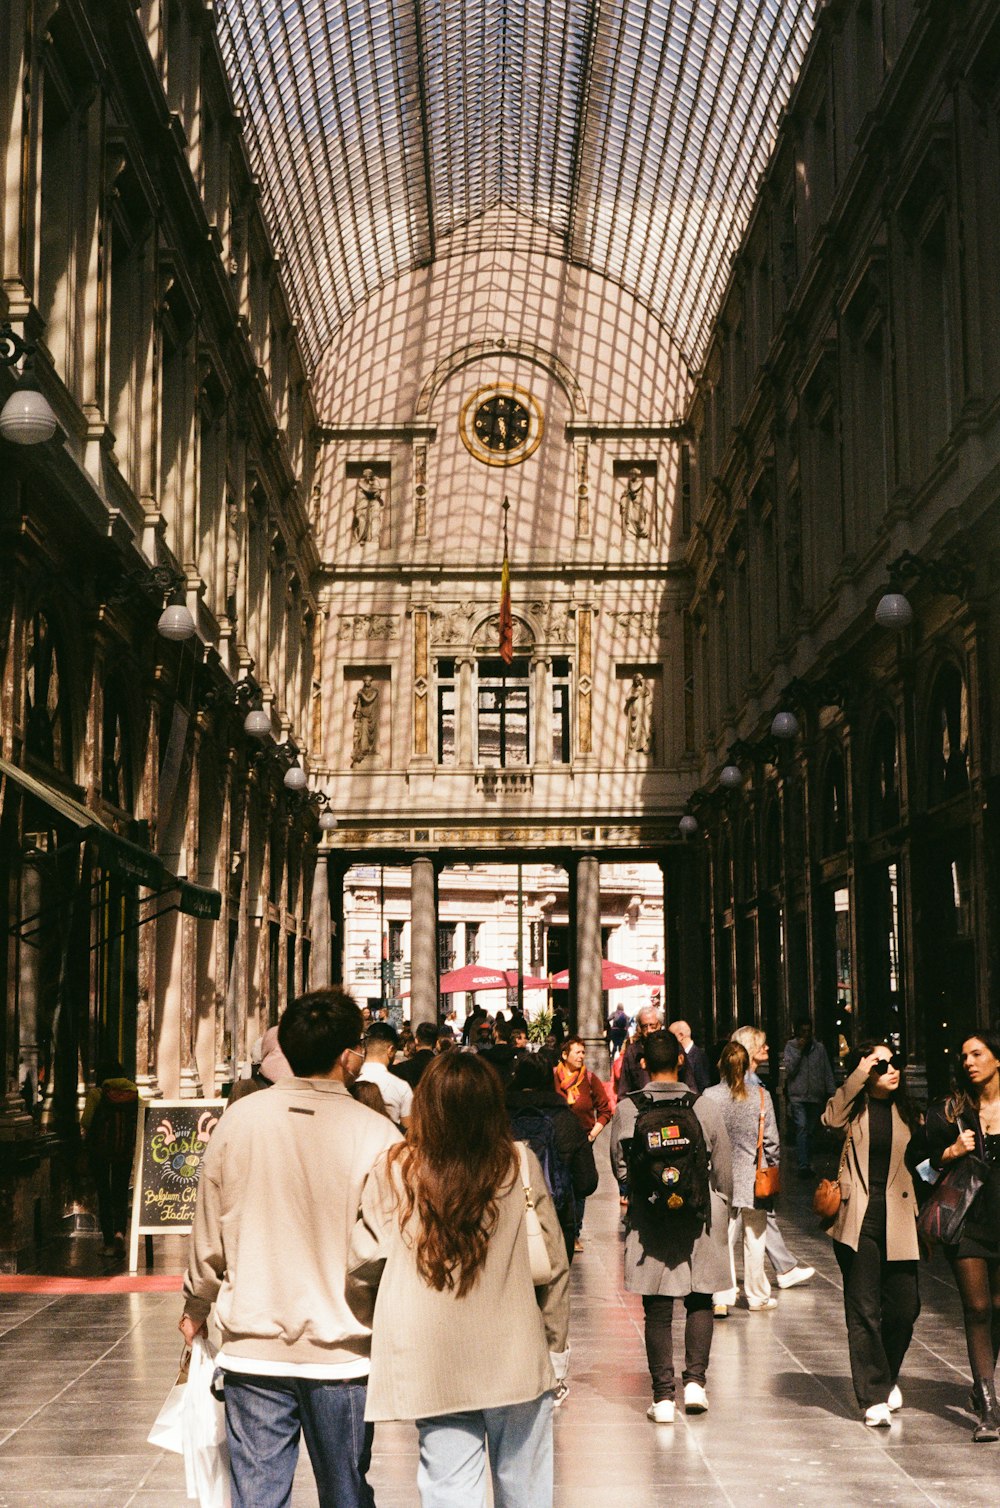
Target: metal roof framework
(635, 132)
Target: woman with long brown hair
(443, 1240)
(968, 1123)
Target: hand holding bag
(538, 1251)
(767, 1180)
(950, 1200)
(827, 1196)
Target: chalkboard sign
(170, 1141)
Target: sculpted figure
(366, 709)
(633, 505)
(369, 505)
(639, 716)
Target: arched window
(116, 753)
(948, 737)
(883, 778)
(46, 718)
(833, 830)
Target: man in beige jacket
(278, 1198)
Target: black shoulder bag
(952, 1195)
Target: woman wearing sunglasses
(969, 1124)
(875, 1231)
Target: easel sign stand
(170, 1141)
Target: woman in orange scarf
(586, 1097)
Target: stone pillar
(464, 713)
(319, 925)
(589, 1000)
(423, 943)
(190, 1076)
(541, 665)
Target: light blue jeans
(452, 1470)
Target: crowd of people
(362, 1223)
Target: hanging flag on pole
(506, 615)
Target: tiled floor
(81, 1379)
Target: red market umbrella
(474, 976)
(614, 976)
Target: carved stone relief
(368, 626)
(555, 621)
(637, 624)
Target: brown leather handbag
(827, 1196)
(767, 1180)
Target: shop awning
(117, 855)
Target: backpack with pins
(668, 1161)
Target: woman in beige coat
(874, 1231)
(462, 1342)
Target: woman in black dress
(875, 1230)
(969, 1122)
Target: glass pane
(446, 725)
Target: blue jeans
(805, 1115)
(264, 1418)
(452, 1470)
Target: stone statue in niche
(639, 716)
(366, 716)
(369, 506)
(233, 546)
(633, 505)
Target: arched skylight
(633, 130)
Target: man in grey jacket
(278, 1197)
(808, 1084)
(670, 1257)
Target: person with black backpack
(540, 1117)
(108, 1124)
(673, 1152)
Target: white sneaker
(559, 1393)
(662, 1412)
(721, 1311)
(767, 1304)
(878, 1416)
(695, 1400)
(894, 1400)
(795, 1276)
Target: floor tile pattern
(82, 1378)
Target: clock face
(501, 423)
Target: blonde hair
(733, 1068)
(750, 1037)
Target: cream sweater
(433, 1353)
(278, 1199)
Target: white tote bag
(538, 1251)
(203, 1417)
(167, 1432)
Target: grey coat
(742, 1119)
(673, 1261)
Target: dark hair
(964, 1097)
(426, 1034)
(317, 1028)
(734, 1065)
(367, 1093)
(458, 1156)
(532, 1070)
(108, 1068)
(803, 1025)
(660, 1052)
(900, 1096)
(382, 1031)
(569, 1042)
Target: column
(464, 712)
(541, 711)
(190, 1074)
(319, 924)
(589, 1000)
(423, 943)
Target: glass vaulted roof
(633, 131)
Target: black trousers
(881, 1304)
(660, 1341)
(112, 1179)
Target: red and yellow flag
(506, 614)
